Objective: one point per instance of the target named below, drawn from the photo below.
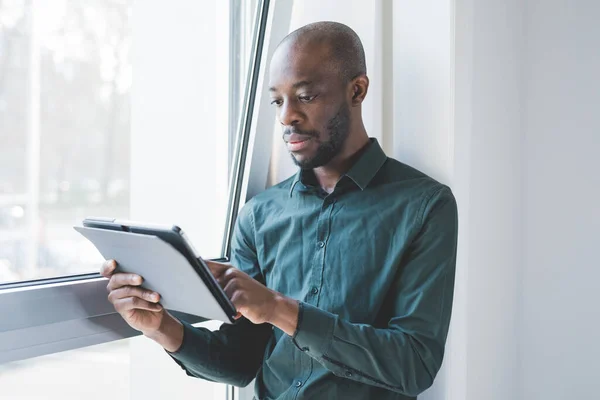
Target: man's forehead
(296, 78)
(290, 66)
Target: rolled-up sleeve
(405, 355)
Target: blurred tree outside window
(65, 83)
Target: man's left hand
(255, 301)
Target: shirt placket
(317, 274)
(318, 266)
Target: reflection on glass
(71, 375)
(128, 369)
(65, 138)
(65, 154)
(65, 81)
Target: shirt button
(314, 290)
(298, 383)
(321, 244)
(348, 374)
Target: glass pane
(107, 371)
(65, 84)
(66, 142)
(71, 90)
(71, 375)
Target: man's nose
(289, 115)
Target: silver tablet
(132, 241)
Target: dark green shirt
(372, 265)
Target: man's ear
(360, 86)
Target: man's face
(311, 104)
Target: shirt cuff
(187, 352)
(314, 332)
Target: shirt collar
(361, 173)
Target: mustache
(288, 132)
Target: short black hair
(344, 45)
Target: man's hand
(255, 301)
(140, 308)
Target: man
(343, 274)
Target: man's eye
(306, 99)
(276, 102)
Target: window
(65, 125)
(71, 375)
(118, 370)
(65, 99)
(148, 111)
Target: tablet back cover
(163, 268)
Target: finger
(133, 291)
(235, 295)
(122, 279)
(135, 303)
(231, 287)
(238, 299)
(108, 267)
(217, 269)
(229, 274)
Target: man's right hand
(140, 309)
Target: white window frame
(53, 315)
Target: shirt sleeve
(234, 353)
(405, 355)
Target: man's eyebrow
(294, 86)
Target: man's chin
(311, 160)
(303, 164)
(302, 161)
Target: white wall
(494, 258)
(423, 87)
(525, 172)
(560, 317)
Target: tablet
(174, 236)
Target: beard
(338, 128)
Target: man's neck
(328, 175)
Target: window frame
(47, 316)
